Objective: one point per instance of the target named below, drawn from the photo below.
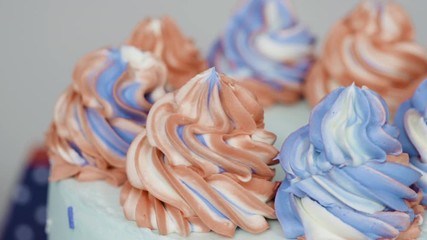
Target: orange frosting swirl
(373, 46)
(164, 38)
(203, 162)
(99, 115)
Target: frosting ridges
(347, 166)
(267, 49)
(373, 46)
(164, 39)
(99, 115)
(411, 120)
(203, 161)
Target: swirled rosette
(411, 120)
(373, 46)
(164, 39)
(266, 49)
(203, 162)
(103, 110)
(346, 175)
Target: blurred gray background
(40, 41)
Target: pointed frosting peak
(373, 46)
(266, 49)
(165, 40)
(347, 166)
(205, 152)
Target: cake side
(97, 215)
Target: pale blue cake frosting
(97, 215)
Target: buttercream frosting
(411, 120)
(347, 177)
(266, 49)
(102, 111)
(203, 162)
(164, 39)
(373, 46)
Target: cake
(131, 161)
(372, 46)
(411, 121)
(346, 174)
(98, 116)
(266, 49)
(92, 210)
(164, 39)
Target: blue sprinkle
(70, 217)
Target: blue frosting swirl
(417, 104)
(265, 42)
(116, 97)
(339, 160)
(97, 118)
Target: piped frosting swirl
(203, 162)
(373, 46)
(103, 110)
(411, 118)
(346, 175)
(164, 39)
(266, 49)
